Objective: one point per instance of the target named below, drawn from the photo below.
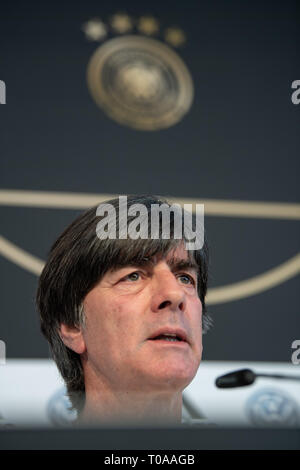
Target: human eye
(134, 276)
(187, 279)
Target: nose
(167, 292)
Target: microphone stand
(279, 376)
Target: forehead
(176, 258)
(179, 258)
(113, 255)
(175, 255)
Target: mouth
(169, 336)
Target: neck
(121, 408)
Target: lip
(170, 331)
(164, 343)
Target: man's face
(143, 325)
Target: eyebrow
(174, 263)
(177, 264)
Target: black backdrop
(239, 141)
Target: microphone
(243, 377)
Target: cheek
(196, 312)
(196, 322)
(110, 327)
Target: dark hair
(76, 263)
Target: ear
(72, 337)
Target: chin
(175, 376)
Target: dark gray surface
(159, 439)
